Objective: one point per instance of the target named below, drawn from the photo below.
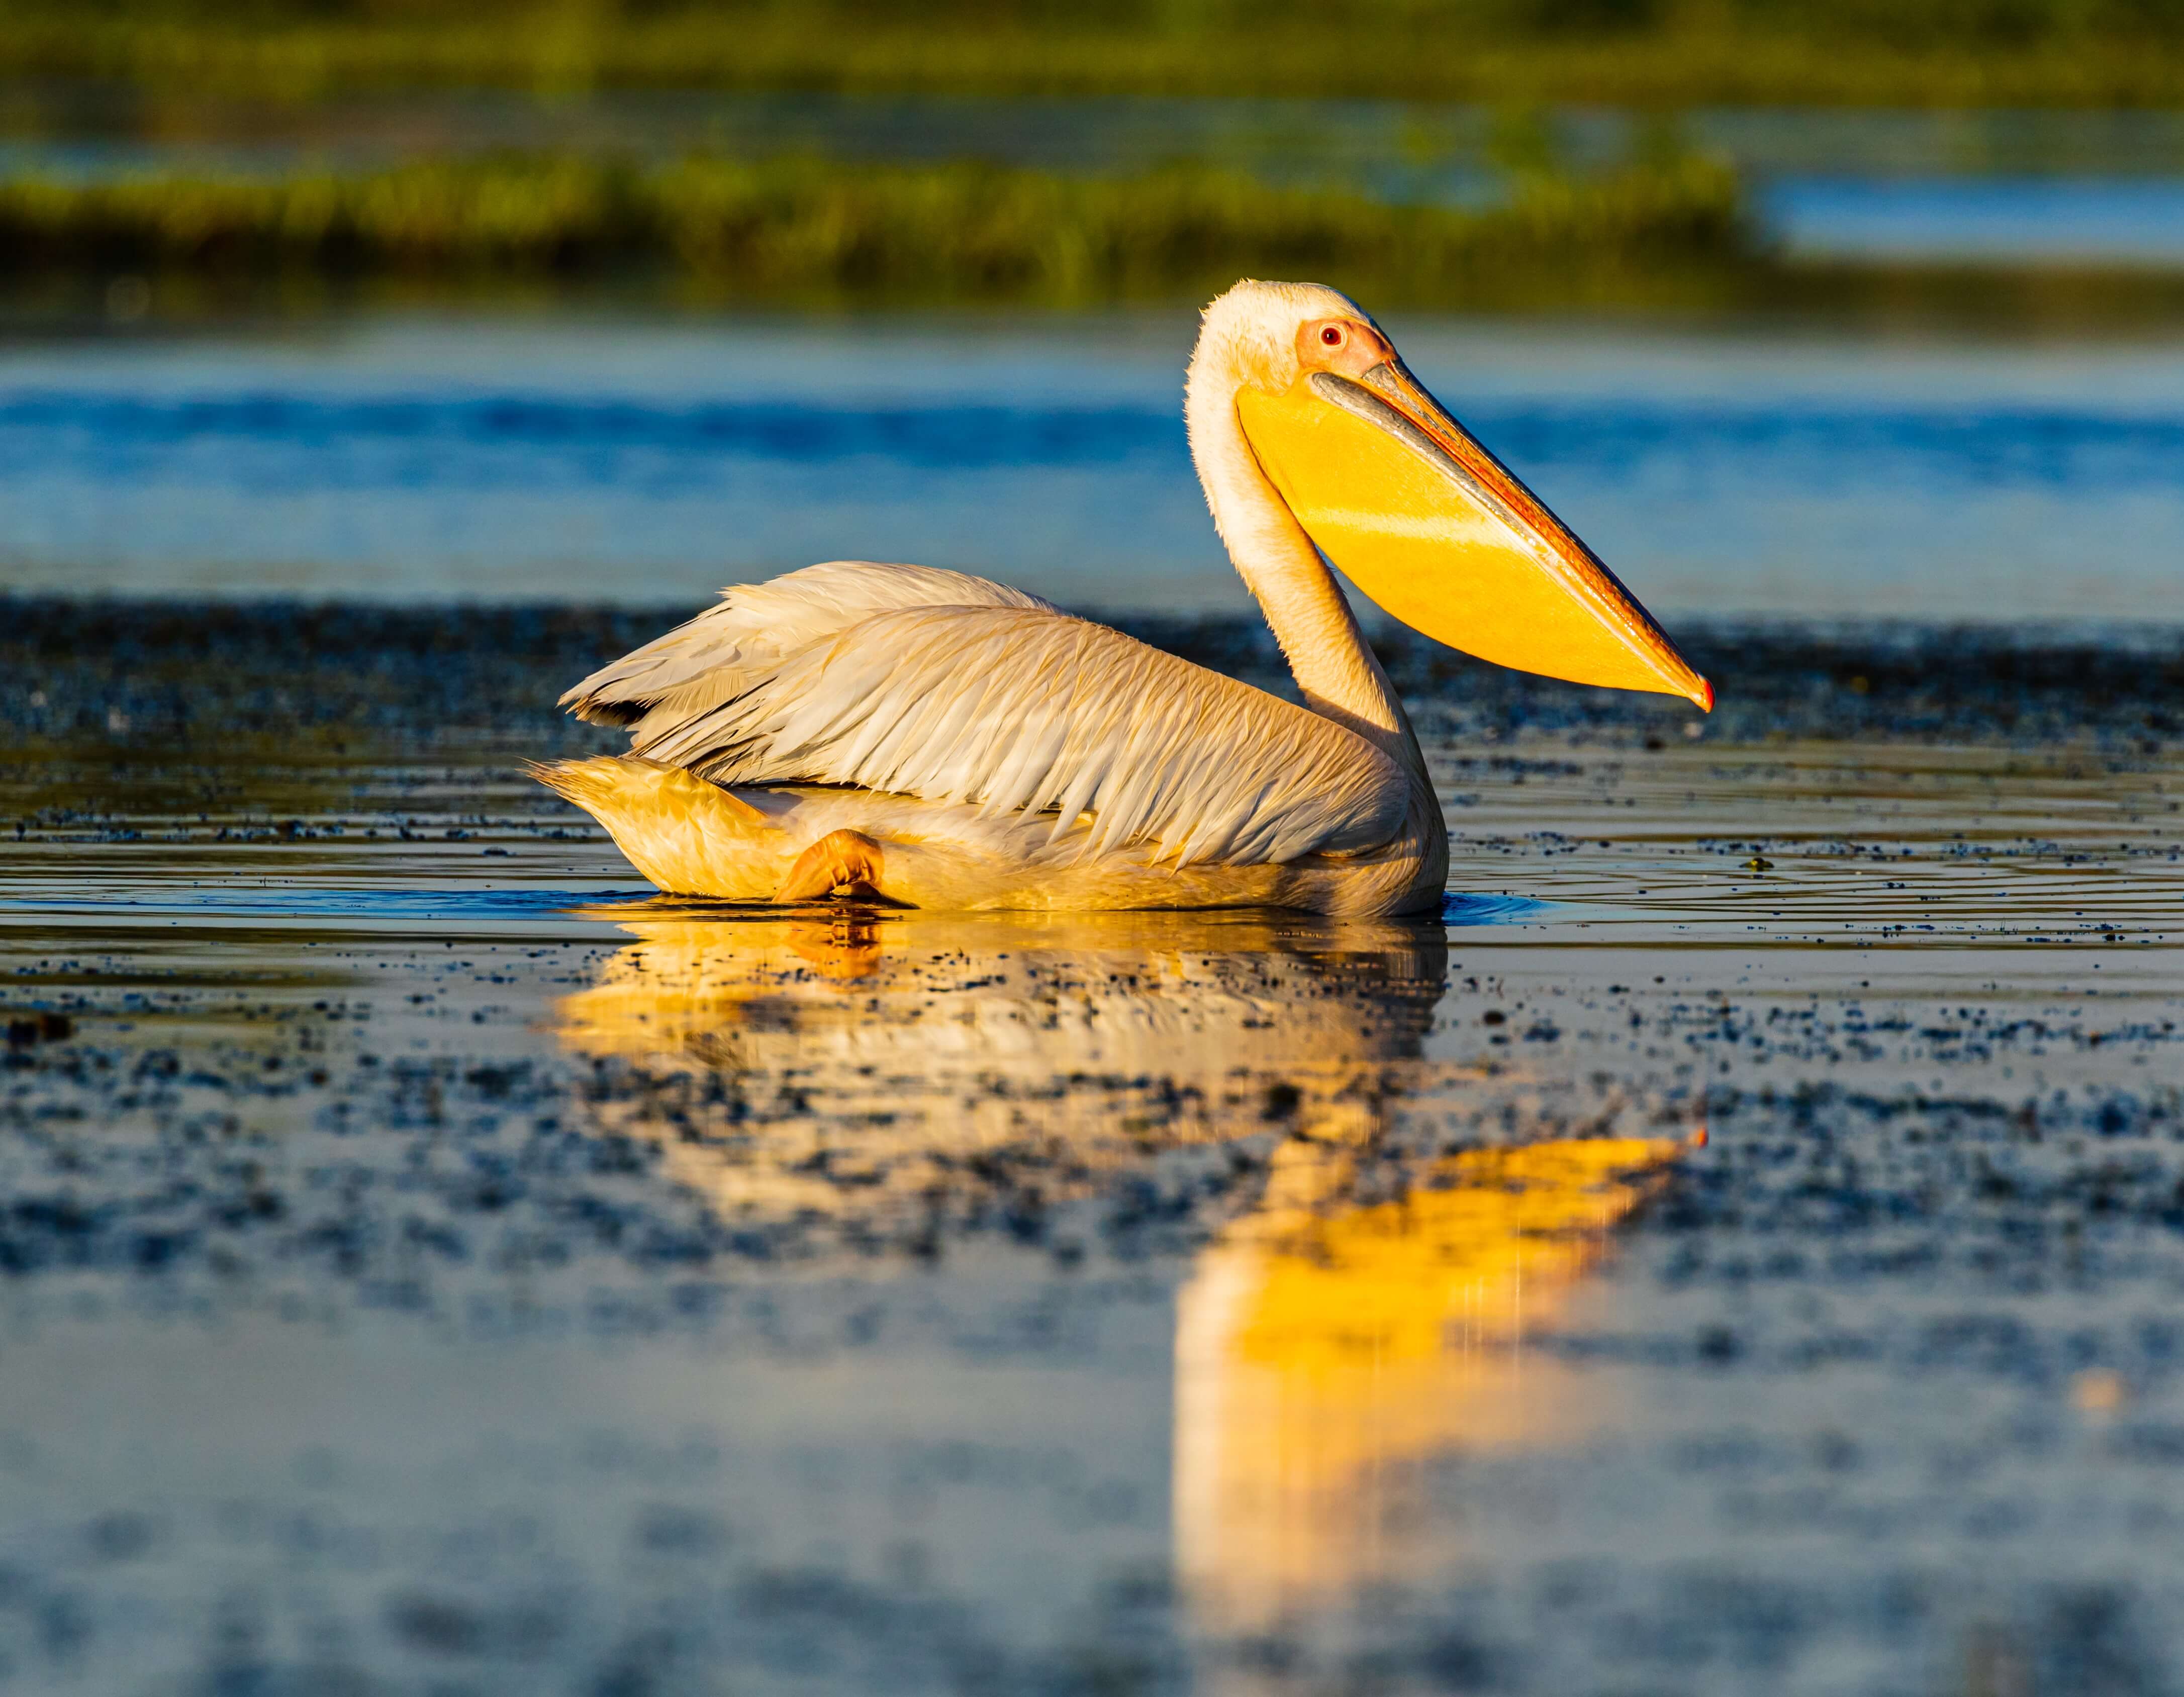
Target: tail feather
(686, 835)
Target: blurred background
(1822, 311)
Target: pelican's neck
(1335, 667)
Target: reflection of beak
(1443, 535)
(1324, 1357)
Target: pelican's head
(1407, 503)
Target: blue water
(289, 899)
(293, 900)
(2015, 219)
(1462, 909)
(649, 461)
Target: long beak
(1445, 538)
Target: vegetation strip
(1911, 53)
(965, 230)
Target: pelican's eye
(1339, 344)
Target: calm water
(547, 457)
(435, 1262)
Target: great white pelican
(934, 739)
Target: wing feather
(1015, 708)
(719, 654)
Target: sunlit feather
(1015, 709)
(939, 739)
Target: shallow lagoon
(1737, 1246)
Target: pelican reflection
(890, 1046)
(1329, 1349)
(1327, 1353)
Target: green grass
(805, 226)
(1653, 52)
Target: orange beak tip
(1702, 696)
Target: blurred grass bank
(1670, 231)
(811, 225)
(1916, 53)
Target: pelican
(936, 740)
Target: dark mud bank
(136, 671)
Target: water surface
(1736, 1244)
(649, 461)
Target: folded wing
(727, 648)
(1011, 708)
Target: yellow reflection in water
(893, 1045)
(1201, 993)
(1326, 1352)
(1324, 1357)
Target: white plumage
(941, 740)
(728, 647)
(999, 701)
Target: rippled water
(1736, 1248)
(437, 457)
